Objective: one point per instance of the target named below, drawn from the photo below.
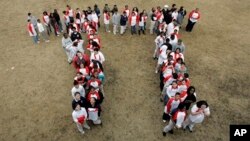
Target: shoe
(82, 132)
(156, 71)
(47, 41)
(164, 121)
(189, 129)
(38, 42)
(164, 134)
(87, 127)
(171, 131)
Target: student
(170, 91)
(95, 20)
(170, 107)
(80, 117)
(115, 20)
(32, 32)
(41, 30)
(177, 55)
(66, 41)
(54, 24)
(97, 56)
(194, 16)
(98, 13)
(66, 20)
(78, 21)
(152, 21)
(159, 41)
(198, 112)
(115, 9)
(84, 69)
(179, 45)
(123, 22)
(72, 49)
(79, 100)
(173, 39)
(106, 17)
(77, 88)
(58, 20)
(70, 13)
(141, 23)
(95, 93)
(80, 58)
(33, 20)
(46, 21)
(177, 120)
(75, 36)
(133, 20)
(106, 8)
(189, 97)
(94, 110)
(174, 14)
(181, 14)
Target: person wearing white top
(97, 55)
(80, 116)
(77, 88)
(174, 14)
(159, 41)
(66, 42)
(115, 20)
(194, 16)
(72, 49)
(198, 112)
(41, 30)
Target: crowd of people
(177, 94)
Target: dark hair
(175, 75)
(64, 12)
(201, 102)
(75, 83)
(186, 75)
(179, 59)
(189, 89)
(75, 44)
(96, 49)
(181, 106)
(75, 105)
(167, 40)
(29, 14)
(76, 93)
(177, 93)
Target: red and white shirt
(171, 105)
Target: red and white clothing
(170, 28)
(66, 19)
(31, 29)
(133, 20)
(97, 57)
(106, 17)
(70, 12)
(177, 120)
(127, 12)
(84, 71)
(184, 95)
(93, 94)
(177, 55)
(80, 118)
(171, 105)
(174, 15)
(96, 83)
(80, 89)
(194, 16)
(171, 91)
(46, 20)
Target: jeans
(133, 29)
(35, 39)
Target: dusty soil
(35, 95)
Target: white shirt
(194, 17)
(180, 118)
(78, 114)
(40, 27)
(200, 117)
(80, 89)
(98, 57)
(133, 20)
(106, 20)
(171, 91)
(174, 15)
(93, 113)
(159, 40)
(66, 42)
(94, 17)
(141, 23)
(170, 28)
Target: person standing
(33, 20)
(66, 20)
(46, 21)
(94, 110)
(77, 88)
(70, 13)
(106, 17)
(66, 41)
(133, 22)
(198, 112)
(98, 13)
(41, 30)
(32, 32)
(123, 22)
(181, 14)
(171, 106)
(115, 21)
(80, 117)
(153, 20)
(194, 16)
(141, 23)
(79, 100)
(176, 120)
(58, 20)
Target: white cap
(166, 6)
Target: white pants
(80, 126)
(156, 52)
(151, 28)
(188, 123)
(122, 29)
(98, 121)
(68, 55)
(115, 28)
(169, 127)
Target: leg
(79, 126)
(169, 127)
(85, 125)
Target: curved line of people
(177, 94)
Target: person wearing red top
(133, 20)
(194, 16)
(80, 58)
(93, 93)
(171, 106)
(177, 120)
(32, 32)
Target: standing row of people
(177, 94)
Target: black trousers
(190, 26)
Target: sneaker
(171, 131)
(87, 127)
(38, 42)
(156, 71)
(164, 134)
(47, 41)
(164, 121)
(82, 132)
(190, 130)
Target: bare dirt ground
(35, 95)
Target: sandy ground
(35, 95)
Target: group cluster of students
(177, 94)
